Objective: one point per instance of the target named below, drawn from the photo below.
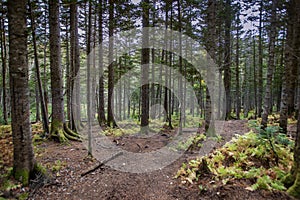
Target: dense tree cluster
(254, 43)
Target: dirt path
(107, 183)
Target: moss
(24, 196)
(288, 180)
(61, 132)
(22, 175)
(294, 190)
(71, 134)
(40, 169)
(57, 131)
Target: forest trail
(107, 183)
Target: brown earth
(107, 183)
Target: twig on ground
(99, 164)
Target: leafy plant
(246, 156)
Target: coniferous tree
(145, 66)
(24, 160)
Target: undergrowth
(264, 158)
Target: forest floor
(66, 163)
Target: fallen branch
(99, 164)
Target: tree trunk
(38, 74)
(4, 66)
(101, 111)
(211, 48)
(287, 76)
(260, 63)
(110, 103)
(24, 160)
(58, 120)
(37, 104)
(272, 38)
(254, 78)
(182, 107)
(145, 68)
(89, 77)
(227, 59)
(294, 190)
(237, 71)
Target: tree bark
(110, 118)
(271, 65)
(288, 79)
(38, 74)
(211, 48)
(182, 106)
(260, 62)
(237, 70)
(58, 118)
(101, 111)
(24, 160)
(145, 68)
(294, 190)
(4, 66)
(227, 59)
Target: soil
(107, 183)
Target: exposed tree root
(61, 132)
(294, 190)
(70, 132)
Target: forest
(139, 99)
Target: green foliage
(265, 182)
(294, 190)
(39, 168)
(246, 156)
(57, 166)
(191, 121)
(193, 140)
(22, 175)
(37, 139)
(23, 196)
(9, 184)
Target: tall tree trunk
(254, 78)
(287, 73)
(110, 118)
(68, 75)
(211, 48)
(294, 190)
(74, 68)
(227, 59)
(152, 90)
(38, 74)
(24, 160)
(89, 78)
(181, 109)
(101, 111)
(37, 103)
(4, 66)
(271, 65)
(260, 62)
(237, 71)
(145, 67)
(57, 124)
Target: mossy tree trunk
(294, 190)
(56, 72)
(24, 160)
(58, 128)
